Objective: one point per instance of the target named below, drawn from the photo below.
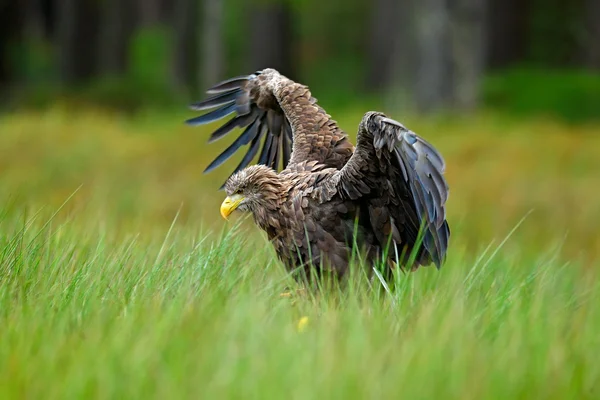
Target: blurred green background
(525, 57)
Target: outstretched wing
(401, 176)
(261, 124)
(269, 105)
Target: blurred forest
(521, 56)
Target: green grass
(134, 288)
(571, 95)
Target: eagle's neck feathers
(274, 195)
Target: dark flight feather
(213, 115)
(233, 96)
(420, 168)
(245, 138)
(215, 101)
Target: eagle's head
(255, 189)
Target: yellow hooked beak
(230, 204)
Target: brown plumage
(330, 194)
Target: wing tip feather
(233, 97)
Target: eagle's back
(320, 233)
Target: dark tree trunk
(149, 12)
(591, 45)
(48, 14)
(11, 30)
(467, 33)
(116, 31)
(185, 54)
(419, 41)
(77, 39)
(212, 42)
(271, 38)
(384, 28)
(34, 19)
(433, 45)
(401, 43)
(507, 32)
